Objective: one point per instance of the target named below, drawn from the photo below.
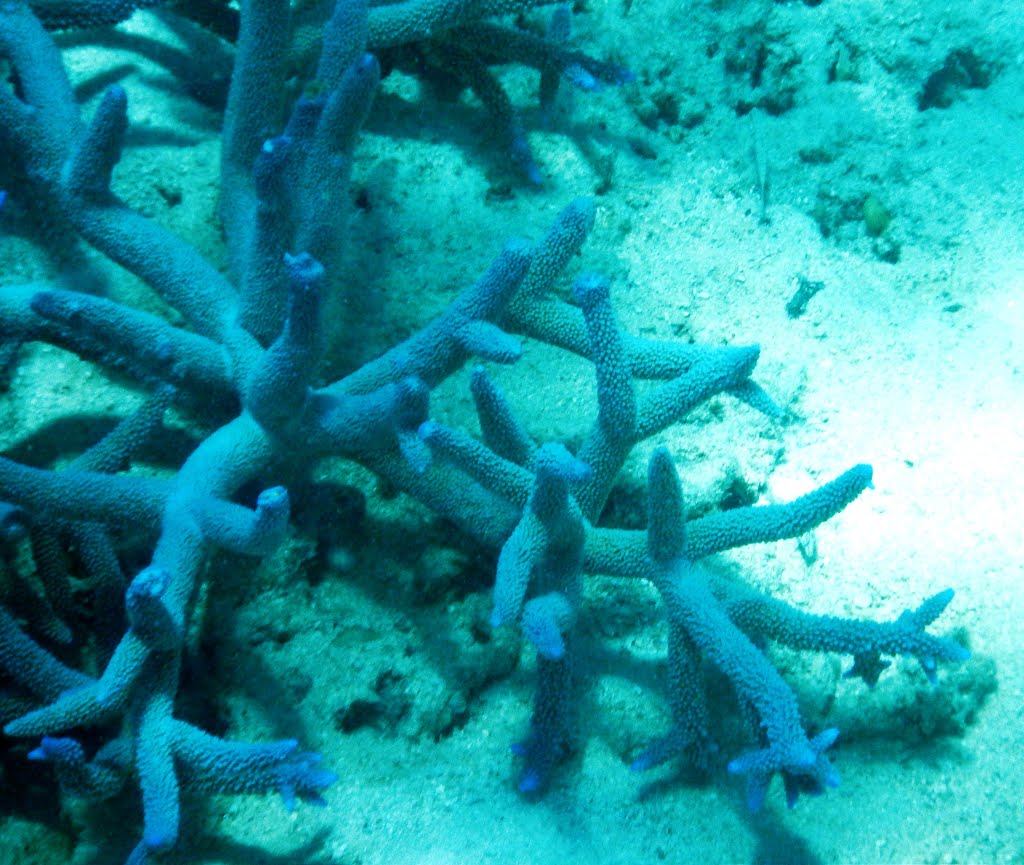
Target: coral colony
(92, 692)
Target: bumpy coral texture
(244, 360)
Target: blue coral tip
(428, 429)
(530, 781)
(158, 841)
(826, 739)
(642, 763)
(590, 288)
(58, 749)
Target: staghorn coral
(97, 691)
(455, 46)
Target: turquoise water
(874, 149)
